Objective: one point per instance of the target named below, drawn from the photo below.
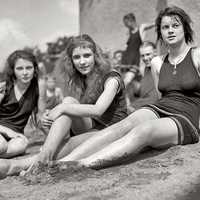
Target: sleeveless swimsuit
(131, 55)
(180, 98)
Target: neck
(133, 29)
(21, 86)
(177, 49)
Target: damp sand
(170, 174)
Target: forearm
(81, 110)
(7, 131)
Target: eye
(19, 68)
(176, 25)
(87, 55)
(29, 67)
(164, 27)
(75, 57)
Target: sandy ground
(164, 175)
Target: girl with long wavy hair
(95, 98)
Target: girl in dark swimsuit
(172, 120)
(20, 99)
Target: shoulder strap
(194, 60)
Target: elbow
(98, 112)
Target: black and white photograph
(99, 100)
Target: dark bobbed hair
(12, 59)
(74, 79)
(10, 74)
(184, 18)
(129, 16)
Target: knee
(144, 132)
(69, 100)
(24, 143)
(21, 144)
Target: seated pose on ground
(19, 100)
(171, 120)
(100, 96)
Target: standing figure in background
(131, 55)
(54, 94)
(145, 91)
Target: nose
(82, 60)
(145, 58)
(25, 71)
(170, 30)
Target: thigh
(140, 116)
(68, 146)
(20, 142)
(164, 133)
(81, 124)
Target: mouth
(84, 68)
(171, 37)
(25, 78)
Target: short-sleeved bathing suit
(14, 114)
(180, 98)
(118, 108)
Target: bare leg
(71, 144)
(60, 130)
(155, 133)
(15, 166)
(79, 124)
(15, 146)
(110, 134)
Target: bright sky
(31, 22)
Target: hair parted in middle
(75, 81)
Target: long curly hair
(10, 74)
(76, 82)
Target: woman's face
(83, 59)
(172, 30)
(24, 71)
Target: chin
(26, 82)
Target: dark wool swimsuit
(14, 114)
(180, 98)
(131, 55)
(117, 109)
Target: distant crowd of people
(113, 109)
